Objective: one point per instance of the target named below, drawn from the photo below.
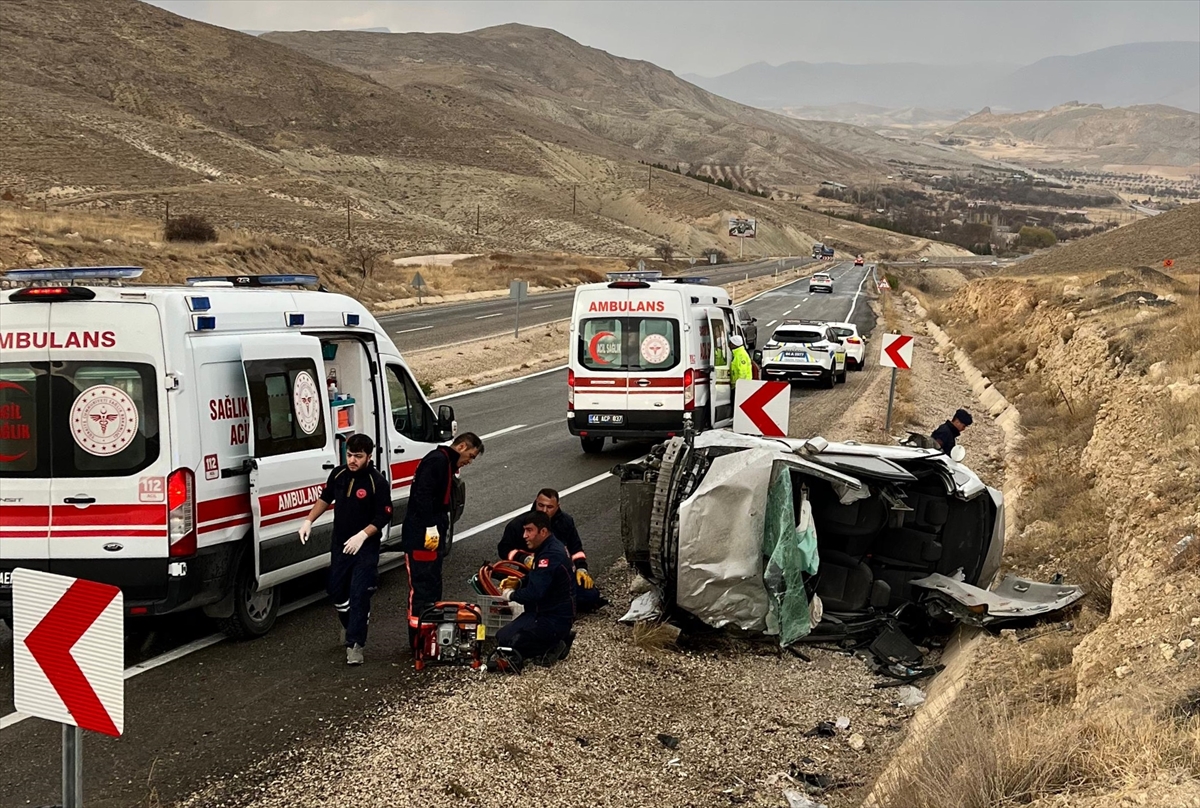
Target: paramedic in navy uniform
(362, 500)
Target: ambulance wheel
(592, 445)
(254, 610)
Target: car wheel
(254, 609)
(592, 445)
(842, 375)
(829, 379)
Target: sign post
(518, 291)
(68, 661)
(761, 408)
(895, 353)
(418, 283)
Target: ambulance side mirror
(447, 426)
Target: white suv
(855, 344)
(821, 282)
(804, 350)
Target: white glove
(355, 542)
(305, 530)
(507, 593)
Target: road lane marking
(771, 323)
(485, 316)
(854, 302)
(500, 432)
(548, 305)
(410, 330)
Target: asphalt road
(217, 714)
(431, 326)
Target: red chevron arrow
(753, 408)
(893, 350)
(51, 642)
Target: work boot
(553, 655)
(568, 643)
(354, 655)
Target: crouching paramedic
(548, 594)
(512, 547)
(425, 534)
(362, 507)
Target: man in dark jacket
(426, 531)
(947, 434)
(362, 500)
(512, 547)
(548, 594)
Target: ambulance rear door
(654, 354)
(112, 458)
(25, 464)
(599, 377)
(291, 451)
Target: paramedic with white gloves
(363, 507)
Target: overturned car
(795, 537)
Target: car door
(413, 431)
(291, 452)
(720, 385)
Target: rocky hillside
(1142, 135)
(120, 104)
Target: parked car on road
(802, 349)
(749, 327)
(821, 282)
(854, 343)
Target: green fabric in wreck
(790, 551)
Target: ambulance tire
(592, 445)
(254, 612)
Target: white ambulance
(648, 352)
(170, 440)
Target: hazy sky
(710, 38)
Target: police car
(804, 349)
(170, 440)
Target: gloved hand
(511, 582)
(305, 530)
(507, 593)
(355, 543)
(431, 538)
(582, 578)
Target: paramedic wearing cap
(547, 592)
(362, 507)
(427, 522)
(512, 547)
(947, 434)
(741, 367)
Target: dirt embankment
(1103, 707)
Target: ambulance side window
(410, 414)
(272, 383)
(24, 407)
(105, 418)
(720, 346)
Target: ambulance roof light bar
(697, 279)
(636, 275)
(255, 281)
(69, 275)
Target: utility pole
(649, 176)
(573, 188)
(477, 220)
(347, 218)
(166, 218)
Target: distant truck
(820, 251)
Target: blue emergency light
(636, 275)
(288, 280)
(350, 319)
(73, 274)
(204, 322)
(293, 319)
(199, 303)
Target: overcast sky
(711, 38)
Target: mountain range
(1165, 73)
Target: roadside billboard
(742, 228)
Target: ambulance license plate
(613, 419)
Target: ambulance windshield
(628, 343)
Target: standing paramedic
(426, 530)
(362, 507)
(946, 435)
(547, 592)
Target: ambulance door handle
(79, 500)
(327, 466)
(643, 382)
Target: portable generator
(450, 633)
